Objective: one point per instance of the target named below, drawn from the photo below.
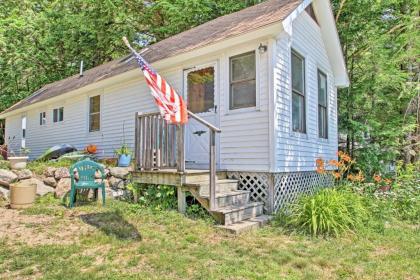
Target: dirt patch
(40, 229)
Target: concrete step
(246, 225)
(222, 186)
(233, 214)
(232, 198)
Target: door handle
(199, 132)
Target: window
(42, 118)
(201, 90)
(58, 114)
(242, 81)
(322, 106)
(95, 113)
(298, 93)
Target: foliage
(157, 197)
(38, 167)
(4, 164)
(378, 113)
(329, 212)
(123, 150)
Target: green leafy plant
(328, 212)
(158, 197)
(123, 150)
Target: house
(267, 76)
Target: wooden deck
(172, 177)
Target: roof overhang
(268, 31)
(325, 17)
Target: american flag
(171, 105)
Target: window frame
(94, 113)
(42, 118)
(56, 114)
(255, 79)
(325, 107)
(303, 94)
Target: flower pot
(22, 195)
(18, 162)
(124, 160)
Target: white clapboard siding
(13, 133)
(298, 152)
(244, 141)
(244, 137)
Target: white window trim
(101, 106)
(226, 58)
(52, 115)
(185, 73)
(319, 70)
(46, 118)
(306, 58)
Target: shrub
(328, 212)
(158, 197)
(38, 167)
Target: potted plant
(18, 162)
(124, 155)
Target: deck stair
(234, 210)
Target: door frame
(217, 98)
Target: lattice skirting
(276, 190)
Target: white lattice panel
(256, 183)
(288, 186)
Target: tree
(380, 42)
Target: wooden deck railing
(159, 145)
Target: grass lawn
(123, 241)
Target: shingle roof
(211, 32)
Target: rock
(50, 171)
(120, 172)
(24, 174)
(7, 176)
(41, 188)
(4, 193)
(63, 187)
(50, 181)
(116, 183)
(4, 197)
(61, 172)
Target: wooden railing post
(137, 138)
(180, 148)
(212, 181)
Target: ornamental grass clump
(329, 212)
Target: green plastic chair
(83, 176)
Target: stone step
(222, 186)
(246, 225)
(232, 198)
(233, 214)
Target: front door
(201, 93)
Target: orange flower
(377, 178)
(345, 157)
(334, 162)
(350, 177)
(388, 181)
(319, 162)
(337, 175)
(320, 168)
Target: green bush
(327, 212)
(4, 164)
(158, 197)
(38, 167)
